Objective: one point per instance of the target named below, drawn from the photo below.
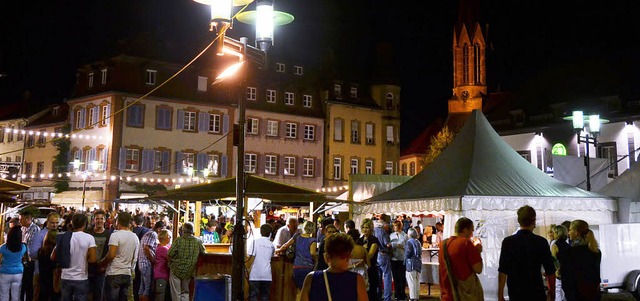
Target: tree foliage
(438, 144)
(61, 160)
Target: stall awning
(74, 198)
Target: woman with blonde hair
(580, 270)
(371, 244)
(305, 250)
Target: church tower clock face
(465, 95)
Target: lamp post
(265, 18)
(588, 137)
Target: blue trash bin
(212, 288)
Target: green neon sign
(559, 149)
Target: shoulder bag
(468, 290)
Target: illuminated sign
(559, 149)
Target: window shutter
(179, 162)
(123, 158)
(203, 121)
(201, 162)
(317, 135)
(261, 164)
(96, 116)
(280, 165)
(130, 116)
(105, 158)
(147, 160)
(299, 166)
(92, 157)
(180, 123)
(160, 122)
(139, 118)
(225, 124)
(72, 117)
(83, 112)
(223, 166)
(108, 109)
(166, 160)
(317, 170)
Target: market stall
(481, 177)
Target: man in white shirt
(285, 233)
(120, 259)
(259, 253)
(81, 248)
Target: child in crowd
(161, 267)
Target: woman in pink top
(161, 267)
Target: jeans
(259, 290)
(399, 279)
(74, 289)
(384, 264)
(116, 287)
(96, 284)
(146, 281)
(179, 288)
(10, 283)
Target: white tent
(626, 188)
(481, 177)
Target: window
(135, 116)
(132, 162)
(103, 77)
(412, 168)
(42, 139)
(271, 96)
(631, 144)
(31, 141)
(390, 134)
(608, 150)
(188, 162)
(251, 93)
(250, 162)
(90, 79)
(104, 112)
(297, 70)
(1, 134)
(388, 167)
(214, 123)
(307, 167)
(20, 135)
(465, 64)
(403, 169)
(389, 99)
(272, 128)
(354, 92)
(337, 168)
(307, 101)
(368, 167)
(290, 130)
(202, 83)
(189, 121)
(337, 91)
(289, 98)
(309, 132)
(477, 64)
(526, 154)
(151, 77)
(337, 129)
(252, 126)
(39, 169)
(289, 166)
(355, 131)
(79, 119)
(270, 164)
(214, 165)
(280, 67)
(28, 168)
(10, 135)
(369, 133)
(93, 113)
(354, 166)
(163, 118)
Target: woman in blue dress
(336, 282)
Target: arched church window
(477, 64)
(389, 101)
(465, 64)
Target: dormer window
(202, 83)
(151, 77)
(280, 67)
(90, 80)
(337, 90)
(389, 101)
(297, 70)
(55, 111)
(103, 76)
(251, 93)
(354, 92)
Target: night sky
(541, 50)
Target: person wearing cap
(146, 260)
(183, 256)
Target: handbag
(291, 250)
(468, 290)
(57, 278)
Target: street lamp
(590, 137)
(265, 18)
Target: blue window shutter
(105, 158)
(92, 157)
(139, 118)
(160, 119)
(167, 119)
(202, 121)
(130, 116)
(225, 124)
(223, 166)
(178, 162)
(123, 158)
(108, 109)
(180, 123)
(84, 111)
(166, 160)
(201, 162)
(72, 117)
(145, 166)
(96, 116)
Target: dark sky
(545, 51)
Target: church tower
(469, 67)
